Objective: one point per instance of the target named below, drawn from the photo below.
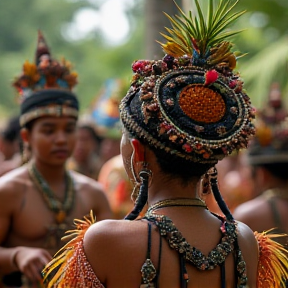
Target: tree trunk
(155, 21)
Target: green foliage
(266, 40)
(93, 60)
(266, 45)
(195, 32)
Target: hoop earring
(145, 176)
(205, 185)
(136, 188)
(137, 180)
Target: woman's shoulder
(110, 230)
(114, 242)
(115, 234)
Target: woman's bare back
(123, 246)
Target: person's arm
(30, 261)
(7, 259)
(7, 255)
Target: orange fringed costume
(273, 261)
(71, 264)
(70, 267)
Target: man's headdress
(45, 86)
(191, 103)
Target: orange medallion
(202, 104)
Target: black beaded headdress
(191, 103)
(271, 142)
(45, 86)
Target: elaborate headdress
(271, 142)
(191, 103)
(45, 86)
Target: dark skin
(119, 266)
(85, 146)
(85, 152)
(24, 215)
(257, 213)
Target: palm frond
(191, 33)
(258, 80)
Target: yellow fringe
(67, 251)
(273, 261)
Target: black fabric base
(47, 97)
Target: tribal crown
(45, 86)
(191, 103)
(45, 73)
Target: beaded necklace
(194, 256)
(280, 193)
(61, 209)
(195, 202)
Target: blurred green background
(103, 37)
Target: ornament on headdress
(105, 111)
(45, 73)
(190, 102)
(45, 86)
(271, 142)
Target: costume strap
(273, 261)
(70, 267)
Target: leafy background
(264, 38)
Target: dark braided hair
(220, 201)
(142, 197)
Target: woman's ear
(139, 150)
(24, 135)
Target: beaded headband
(271, 142)
(44, 87)
(190, 103)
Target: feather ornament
(273, 261)
(70, 267)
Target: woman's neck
(170, 189)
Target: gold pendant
(60, 217)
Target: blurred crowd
(253, 183)
(97, 155)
